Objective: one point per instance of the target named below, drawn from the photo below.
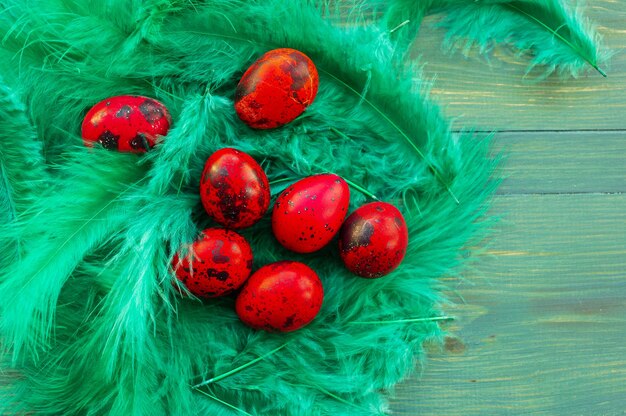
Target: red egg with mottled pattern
(276, 89)
(234, 189)
(280, 297)
(373, 240)
(216, 264)
(127, 123)
(309, 213)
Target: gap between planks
(497, 131)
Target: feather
(403, 19)
(60, 231)
(22, 168)
(557, 38)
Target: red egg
(276, 89)
(308, 214)
(126, 123)
(234, 188)
(373, 240)
(218, 263)
(280, 297)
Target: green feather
(547, 18)
(556, 38)
(22, 170)
(67, 220)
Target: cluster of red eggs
(306, 216)
(286, 295)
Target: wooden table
(541, 323)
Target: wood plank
(572, 162)
(542, 329)
(496, 95)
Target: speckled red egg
(234, 189)
(308, 214)
(216, 264)
(280, 297)
(127, 123)
(373, 240)
(276, 89)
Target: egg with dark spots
(127, 123)
(276, 89)
(308, 214)
(234, 189)
(216, 264)
(280, 297)
(373, 240)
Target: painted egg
(280, 297)
(308, 214)
(276, 89)
(127, 123)
(216, 264)
(373, 240)
(234, 189)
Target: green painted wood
(496, 95)
(543, 326)
(563, 162)
(541, 323)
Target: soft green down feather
(89, 322)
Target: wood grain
(542, 330)
(563, 162)
(541, 323)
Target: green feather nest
(89, 321)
